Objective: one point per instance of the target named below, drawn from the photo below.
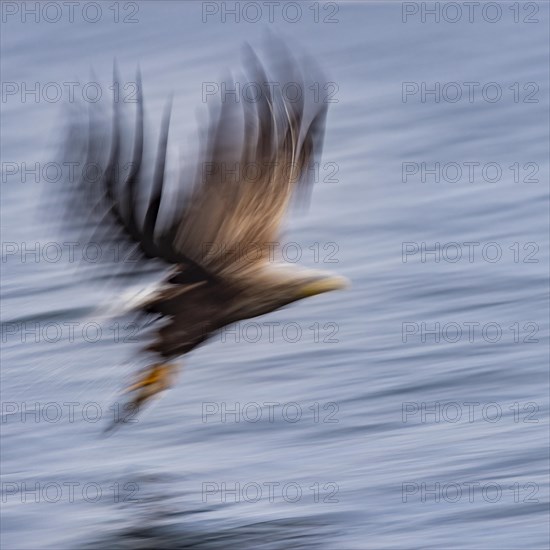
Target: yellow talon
(155, 373)
(156, 378)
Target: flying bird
(202, 233)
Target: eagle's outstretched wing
(256, 153)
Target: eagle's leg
(153, 379)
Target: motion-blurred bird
(208, 234)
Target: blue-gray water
(375, 467)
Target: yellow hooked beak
(324, 284)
